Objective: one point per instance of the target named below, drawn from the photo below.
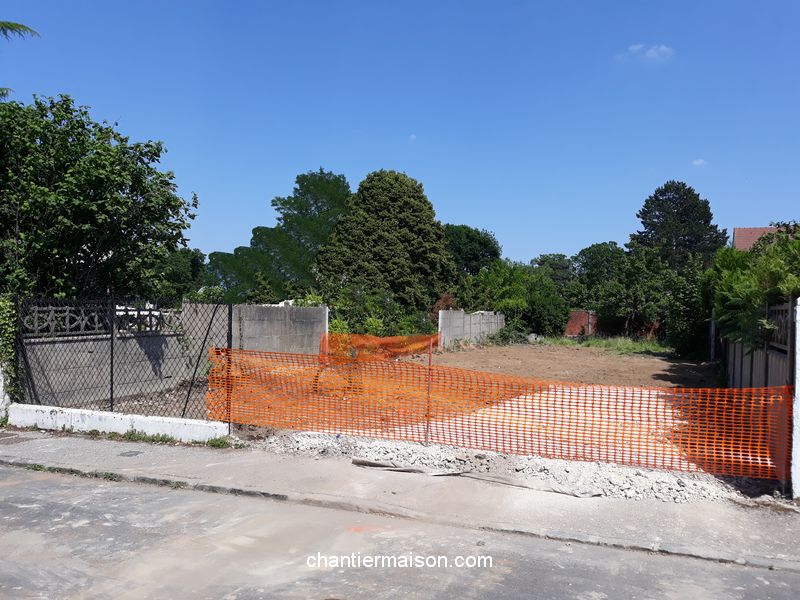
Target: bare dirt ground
(580, 364)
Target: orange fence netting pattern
(740, 432)
(361, 347)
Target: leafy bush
(338, 326)
(512, 333)
(310, 299)
(412, 325)
(524, 294)
(687, 312)
(744, 284)
(374, 326)
(8, 331)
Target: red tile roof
(745, 237)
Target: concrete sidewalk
(719, 531)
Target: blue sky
(548, 123)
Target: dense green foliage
(386, 257)
(524, 294)
(744, 284)
(279, 261)
(471, 249)
(181, 274)
(8, 338)
(82, 209)
(678, 223)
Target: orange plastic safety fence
(353, 346)
(742, 432)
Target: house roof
(745, 237)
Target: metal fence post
(112, 330)
(794, 344)
(428, 403)
(229, 369)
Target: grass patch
(219, 442)
(617, 345)
(138, 436)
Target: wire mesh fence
(123, 355)
(738, 432)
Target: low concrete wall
(75, 419)
(456, 325)
(293, 329)
(71, 370)
(5, 400)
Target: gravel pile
(579, 478)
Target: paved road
(67, 537)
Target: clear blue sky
(545, 122)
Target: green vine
(8, 333)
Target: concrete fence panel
(456, 326)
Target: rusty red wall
(581, 322)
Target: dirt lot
(580, 364)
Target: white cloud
(652, 53)
(698, 162)
(413, 137)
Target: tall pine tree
(677, 223)
(387, 244)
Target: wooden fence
(774, 364)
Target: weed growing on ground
(618, 345)
(138, 436)
(219, 442)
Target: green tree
(182, 272)
(472, 249)
(82, 208)
(388, 244)
(744, 284)
(526, 295)
(678, 224)
(279, 261)
(9, 30)
(559, 266)
(596, 267)
(306, 220)
(638, 296)
(561, 270)
(687, 311)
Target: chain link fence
(118, 354)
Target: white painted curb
(77, 419)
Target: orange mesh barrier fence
(361, 347)
(741, 432)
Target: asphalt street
(63, 536)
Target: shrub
(8, 330)
(374, 326)
(338, 326)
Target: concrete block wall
(292, 329)
(456, 325)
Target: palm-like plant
(9, 30)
